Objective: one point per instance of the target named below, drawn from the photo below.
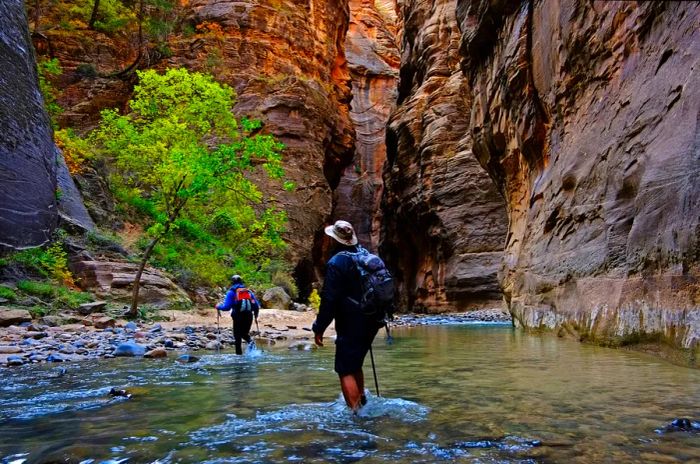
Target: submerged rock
(681, 425)
(187, 358)
(119, 393)
(159, 352)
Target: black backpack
(377, 297)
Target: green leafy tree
(49, 69)
(182, 154)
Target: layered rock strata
(444, 222)
(373, 56)
(588, 118)
(28, 210)
(286, 61)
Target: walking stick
(374, 370)
(389, 338)
(218, 332)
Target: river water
(450, 393)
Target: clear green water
(451, 394)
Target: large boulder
(10, 316)
(276, 298)
(114, 280)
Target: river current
(449, 393)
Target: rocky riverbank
(100, 336)
(181, 337)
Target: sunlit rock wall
(286, 61)
(28, 212)
(372, 51)
(587, 114)
(444, 223)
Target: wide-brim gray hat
(343, 232)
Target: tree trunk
(133, 311)
(37, 14)
(93, 16)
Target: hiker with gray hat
(342, 300)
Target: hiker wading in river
(339, 300)
(244, 307)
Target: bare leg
(352, 386)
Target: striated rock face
(28, 212)
(588, 118)
(114, 280)
(372, 51)
(286, 61)
(444, 221)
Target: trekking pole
(374, 370)
(218, 332)
(389, 338)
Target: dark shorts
(350, 352)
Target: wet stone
(55, 357)
(187, 358)
(157, 353)
(213, 345)
(129, 349)
(8, 349)
(15, 360)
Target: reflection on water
(450, 394)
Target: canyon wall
(587, 115)
(28, 210)
(444, 222)
(373, 56)
(284, 58)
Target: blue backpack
(246, 303)
(377, 297)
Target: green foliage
(112, 15)
(62, 296)
(39, 311)
(35, 288)
(49, 69)
(50, 261)
(76, 151)
(7, 293)
(315, 300)
(181, 161)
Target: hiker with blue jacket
(340, 300)
(244, 306)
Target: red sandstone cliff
(284, 58)
(373, 57)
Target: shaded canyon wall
(587, 114)
(28, 208)
(373, 56)
(36, 191)
(444, 222)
